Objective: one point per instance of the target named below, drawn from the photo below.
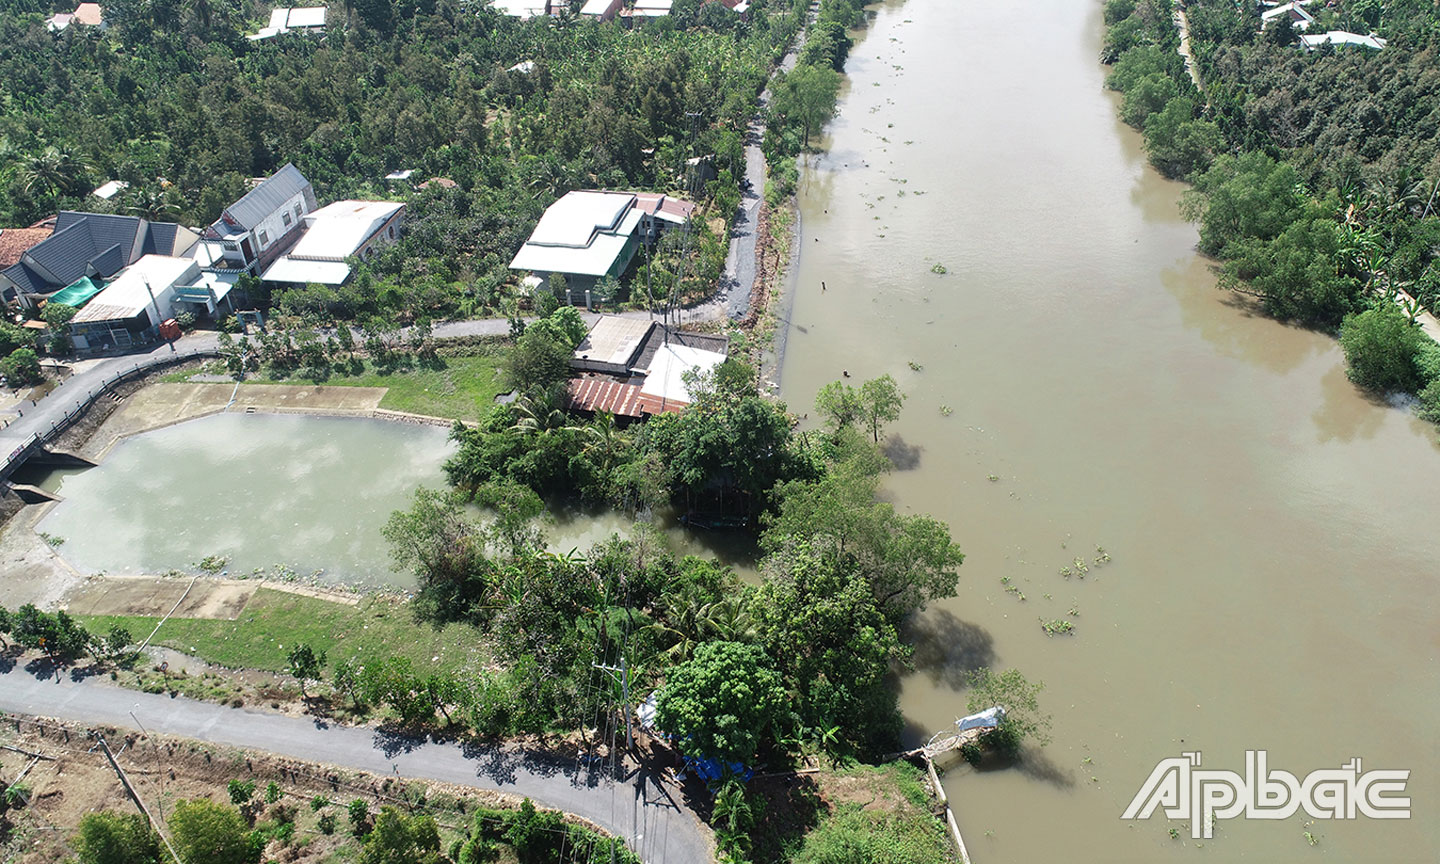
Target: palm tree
(602, 441)
(153, 205)
(53, 172)
(536, 414)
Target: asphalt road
(651, 817)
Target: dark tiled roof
(28, 280)
(160, 238)
(85, 240)
(15, 241)
(267, 197)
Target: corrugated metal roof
(615, 397)
(268, 197)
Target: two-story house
(256, 230)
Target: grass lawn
(273, 622)
(459, 388)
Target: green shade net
(77, 293)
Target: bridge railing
(74, 411)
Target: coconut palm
(536, 413)
(153, 205)
(53, 172)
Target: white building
(306, 19)
(260, 227)
(1299, 17)
(1341, 39)
(522, 9)
(334, 233)
(589, 235)
(139, 298)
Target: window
(297, 211)
(285, 217)
(392, 232)
(264, 239)
(231, 247)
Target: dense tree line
(175, 101)
(1315, 173)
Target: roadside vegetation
(1315, 174)
(223, 806)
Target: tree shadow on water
(947, 649)
(1033, 763)
(904, 456)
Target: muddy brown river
(1084, 384)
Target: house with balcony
(255, 231)
(332, 236)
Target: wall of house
(273, 228)
(388, 234)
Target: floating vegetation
(994, 478)
(1101, 556)
(1056, 626)
(52, 539)
(937, 268)
(946, 410)
(916, 367)
(212, 564)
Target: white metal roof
(277, 18)
(578, 216)
(593, 260)
(666, 376)
(129, 295)
(520, 8)
(289, 269)
(662, 6)
(596, 8)
(306, 16)
(400, 175)
(613, 340)
(1341, 37)
(109, 190)
(337, 230)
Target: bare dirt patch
(157, 595)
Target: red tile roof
(14, 242)
(615, 397)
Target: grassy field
(275, 621)
(458, 387)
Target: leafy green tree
(214, 833)
(835, 645)
(723, 703)
(1300, 275)
(22, 367)
(112, 838)
(907, 560)
(1249, 196)
(13, 336)
(1382, 350)
(807, 95)
(1020, 699)
(880, 401)
(241, 791)
(1147, 96)
(445, 549)
(1177, 143)
(400, 839)
(539, 359)
(839, 404)
(57, 315)
(305, 664)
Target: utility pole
(135, 796)
(621, 674)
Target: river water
(1271, 582)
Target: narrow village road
(647, 812)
